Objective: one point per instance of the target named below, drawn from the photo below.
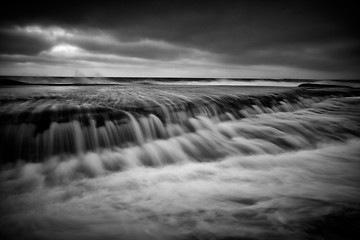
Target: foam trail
(278, 196)
(179, 166)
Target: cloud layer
(232, 38)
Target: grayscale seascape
(180, 120)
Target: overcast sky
(258, 39)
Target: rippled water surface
(179, 162)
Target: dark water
(149, 161)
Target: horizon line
(172, 77)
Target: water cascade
(198, 129)
(164, 162)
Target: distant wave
(331, 84)
(229, 82)
(74, 81)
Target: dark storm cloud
(320, 36)
(14, 42)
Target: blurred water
(164, 162)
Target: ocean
(179, 159)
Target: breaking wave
(177, 162)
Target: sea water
(173, 161)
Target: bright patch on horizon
(65, 50)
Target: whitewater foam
(281, 168)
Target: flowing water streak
(271, 164)
(49, 127)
